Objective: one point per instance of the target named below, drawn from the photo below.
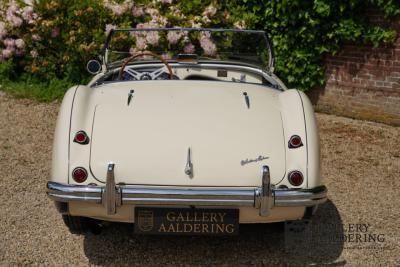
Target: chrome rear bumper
(195, 196)
(114, 195)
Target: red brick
(363, 81)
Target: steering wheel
(144, 75)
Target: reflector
(79, 174)
(295, 178)
(81, 138)
(295, 141)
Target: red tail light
(81, 138)
(295, 178)
(79, 174)
(295, 141)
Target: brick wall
(363, 82)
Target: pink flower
(159, 21)
(152, 12)
(55, 32)
(175, 11)
(140, 26)
(15, 21)
(7, 53)
(9, 42)
(166, 1)
(174, 36)
(137, 12)
(241, 24)
(189, 48)
(205, 20)
(196, 22)
(28, 2)
(19, 43)
(27, 14)
(209, 11)
(207, 44)
(36, 37)
(141, 43)
(3, 31)
(11, 15)
(109, 27)
(116, 8)
(34, 53)
(12, 8)
(152, 38)
(196, 25)
(10, 45)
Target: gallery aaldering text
(352, 233)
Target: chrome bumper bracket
(110, 199)
(266, 200)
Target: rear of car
(251, 158)
(190, 143)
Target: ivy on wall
(304, 31)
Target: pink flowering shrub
(174, 36)
(189, 48)
(55, 38)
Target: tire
(77, 225)
(309, 212)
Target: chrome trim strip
(73, 188)
(190, 202)
(188, 196)
(187, 193)
(63, 198)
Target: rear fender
(81, 120)
(313, 148)
(60, 154)
(293, 124)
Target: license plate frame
(186, 221)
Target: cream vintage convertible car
(185, 131)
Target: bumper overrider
(114, 195)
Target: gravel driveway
(358, 226)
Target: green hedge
(52, 40)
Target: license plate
(186, 221)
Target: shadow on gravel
(261, 244)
